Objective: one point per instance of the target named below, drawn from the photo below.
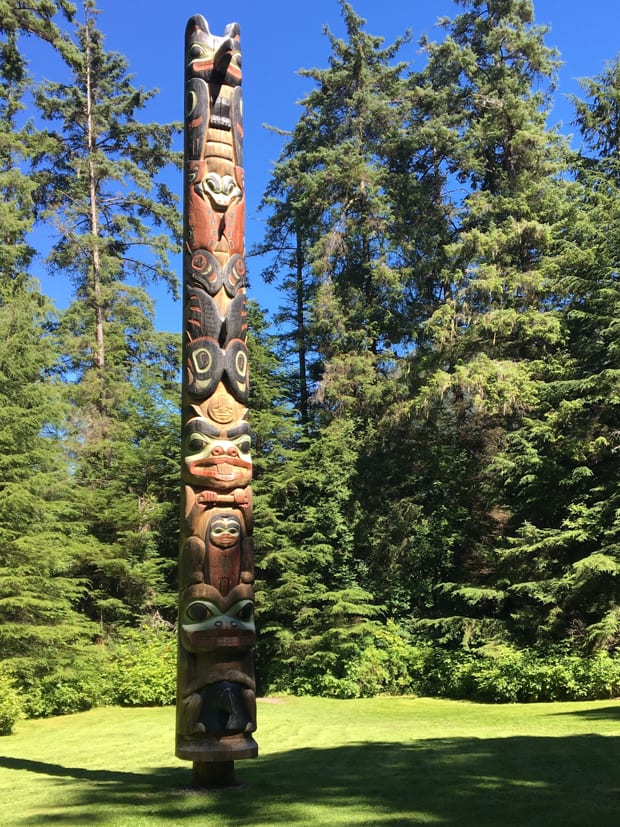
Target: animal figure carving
(216, 701)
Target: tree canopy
(434, 406)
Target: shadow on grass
(569, 781)
(79, 773)
(610, 713)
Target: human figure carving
(216, 700)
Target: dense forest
(435, 406)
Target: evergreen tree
(314, 613)
(561, 469)
(37, 18)
(18, 144)
(116, 221)
(331, 232)
(494, 337)
(40, 628)
(285, 241)
(274, 432)
(100, 184)
(330, 227)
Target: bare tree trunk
(91, 140)
(301, 332)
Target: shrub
(73, 688)
(501, 674)
(10, 703)
(389, 663)
(600, 675)
(138, 668)
(363, 661)
(142, 668)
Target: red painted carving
(216, 702)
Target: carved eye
(219, 530)
(213, 182)
(196, 50)
(241, 364)
(245, 613)
(200, 263)
(202, 360)
(244, 445)
(196, 444)
(228, 185)
(198, 612)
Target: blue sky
(280, 36)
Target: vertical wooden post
(216, 692)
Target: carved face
(211, 57)
(206, 627)
(224, 531)
(222, 409)
(219, 460)
(220, 189)
(201, 615)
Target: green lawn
(381, 761)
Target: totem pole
(216, 700)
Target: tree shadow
(611, 713)
(570, 781)
(79, 773)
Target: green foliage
(560, 469)
(329, 229)
(115, 223)
(384, 659)
(388, 663)
(129, 504)
(313, 611)
(38, 18)
(115, 217)
(450, 277)
(11, 708)
(137, 667)
(40, 625)
(435, 420)
(88, 489)
(79, 684)
(505, 675)
(142, 667)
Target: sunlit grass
(382, 761)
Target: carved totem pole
(216, 700)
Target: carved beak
(223, 55)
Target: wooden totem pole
(216, 700)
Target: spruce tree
(331, 219)
(338, 259)
(115, 222)
(561, 468)
(40, 19)
(494, 337)
(40, 627)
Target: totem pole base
(216, 750)
(213, 774)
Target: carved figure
(216, 701)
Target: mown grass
(362, 763)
